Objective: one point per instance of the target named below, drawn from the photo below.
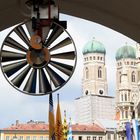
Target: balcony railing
(125, 104)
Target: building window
(126, 114)
(41, 137)
(100, 138)
(133, 77)
(99, 72)
(122, 97)
(133, 115)
(72, 137)
(109, 136)
(118, 64)
(7, 138)
(20, 137)
(94, 138)
(122, 114)
(46, 138)
(34, 138)
(88, 137)
(128, 96)
(27, 137)
(115, 137)
(87, 73)
(127, 63)
(90, 58)
(120, 77)
(101, 58)
(80, 138)
(125, 97)
(93, 57)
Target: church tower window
(120, 77)
(133, 77)
(125, 97)
(122, 114)
(99, 72)
(122, 97)
(90, 58)
(126, 114)
(86, 73)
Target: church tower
(94, 104)
(126, 86)
(138, 60)
(125, 104)
(94, 72)
(126, 55)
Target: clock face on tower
(86, 92)
(101, 91)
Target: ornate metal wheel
(38, 69)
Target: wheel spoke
(30, 86)
(10, 56)
(62, 44)
(29, 28)
(13, 44)
(67, 55)
(67, 69)
(22, 34)
(56, 79)
(44, 85)
(14, 67)
(57, 31)
(17, 81)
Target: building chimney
(17, 122)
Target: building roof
(87, 128)
(37, 126)
(28, 126)
(126, 52)
(110, 125)
(94, 47)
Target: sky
(18, 106)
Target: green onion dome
(126, 52)
(94, 47)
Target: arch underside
(122, 16)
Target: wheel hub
(38, 58)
